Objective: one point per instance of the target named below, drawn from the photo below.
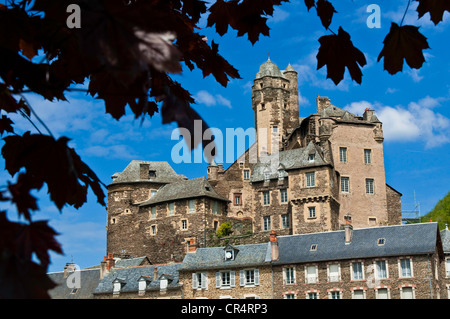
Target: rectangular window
(283, 195)
(369, 186)
(153, 229)
(311, 274)
(407, 293)
(153, 212)
(382, 293)
(343, 154)
(335, 295)
(237, 199)
(289, 296)
(225, 279)
(333, 274)
(358, 294)
(199, 280)
(152, 193)
(381, 269)
(184, 224)
(345, 184)
(311, 158)
(447, 267)
(289, 274)
(246, 174)
(191, 205)
(310, 179)
(215, 207)
(275, 129)
(312, 295)
(266, 222)
(285, 221)
(357, 271)
(266, 198)
(405, 267)
(312, 212)
(367, 156)
(171, 209)
(249, 277)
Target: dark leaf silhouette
(310, 3)
(337, 52)
(403, 43)
(325, 11)
(436, 8)
(6, 125)
(21, 197)
(51, 161)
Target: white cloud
(416, 122)
(414, 74)
(204, 97)
(279, 15)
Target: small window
(263, 106)
(153, 212)
(311, 157)
(312, 212)
(285, 221)
(312, 295)
(229, 254)
(171, 209)
(274, 129)
(153, 230)
(283, 195)
(345, 183)
(237, 200)
(184, 224)
(246, 174)
(266, 222)
(381, 241)
(191, 205)
(73, 291)
(313, 247)
(343, 154)
(367, 156)
(152, 193)
(369, 186)
(310, 179)
(289, 275)
(266, 198)
(151, 174)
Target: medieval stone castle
(311, 174)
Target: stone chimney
(106, 264)
(322, 103)
(155, 273)
(368, 113)
(274, 252)
(144, 170)
(213, 171)
(192, 247)
(348, 231)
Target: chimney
(274, 252)
(192, 246)
(322, 103)
(348, 231)
(368, 113)
(143, 171)
(103, 268)
(110, 262)
(155, 273)
(68, 268)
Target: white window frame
(184, 224)
(117, 286)
(400, 267)
(267, 223)
(388, 293)
(309, 293)
(283, 196)
(249, 277)
(312, 212)
(191, 205)
(367, 156)
(330, 294)
(310, 179)
(331, 277)
(352, 270)
(345, 184)
(266, 198)
(246, 174)
(294, 296)
(377, 271)
(200, 280)
(289, 276)
(359, 289)
(343, 155)
(230, 283)
(311, 278)
(370, 186)
(413, 292)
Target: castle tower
(275, 103)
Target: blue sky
(414, 107)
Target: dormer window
(311, 157)
(151, 174)
(381, 241)
(313, 247)
(142, 283)
(118, 283)
(230, 253)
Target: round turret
(268, 68)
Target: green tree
(440, 213)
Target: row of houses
(393, 262)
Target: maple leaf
(337, 52)
(310, 3)
(20, 195)
(51, 161)
(403, 43)
(325, 11)
(6, 125)
(436, 8)
(222, 14)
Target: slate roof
(89, 279)
(197, 187)
(131, 173)
(290, 159)
(130, 276)
(400, 240)
(130, 262)
(214, 257)
(269, 68)
(445, 237)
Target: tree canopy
(127, 50)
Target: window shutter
(194, 281)
(242, 277)
(232, 279)
(217, 279)
(257, 277)
(204, 280)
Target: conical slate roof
(268, 68)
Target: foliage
(440, 213)
(224, 230)
(127, 50)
